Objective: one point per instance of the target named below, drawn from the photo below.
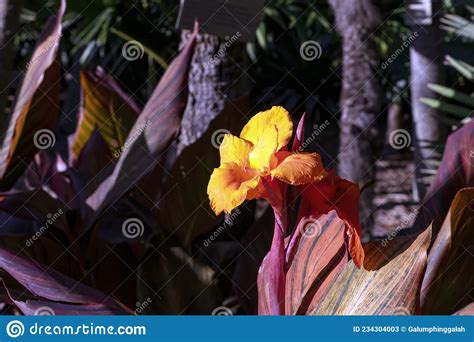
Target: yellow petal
(255, 129)
(235, 150)
(262, 157)
(298, 168)
(229, 185)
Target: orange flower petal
(258, 191)
(298, 168)
(229, 185)
(235, 150)
(278, 117)
(262, 155)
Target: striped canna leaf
(389, 284)
(156, 127)
(36, 109)
(106, 107)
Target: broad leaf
(315, 259)
(184, 206)
(44, 248)
(320, 255)
(36, 206)
(36, 108)
(49, 172)
(41, 308)
(449, 280)
(50, 285)
(389, 284)
(455, 172)
(271, 274)
(106, 107)
(152, 133)
(94, 164)
(334, 193)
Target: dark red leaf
(52, 285)
(42, 308)
(319, 256)
(50, 172)
(185, 189)
(151, 135)
(334, 193)
(94, 164)
(106, 108)
(455, 172)
(35, 206)
(36, 106)
(271, 276)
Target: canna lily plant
(87, 201)
(258, 164)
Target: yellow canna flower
(260, 152)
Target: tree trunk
(212, 81)
(426, 66)
(9, 20)
(356, 21)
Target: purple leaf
(52, 285)
(152, 133)
(36, 108)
